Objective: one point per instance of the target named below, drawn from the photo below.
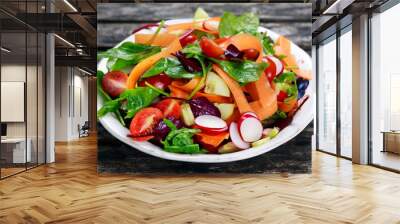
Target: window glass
(346, 94)
(15, 150)
(385, 89)
(327, 96)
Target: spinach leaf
(127, 54)
(231, 24)
(279, 115)
(179, 72)
(160, 91)
(109, 104)
(199, 34)
(171, 67)
(137, 99)
(267, 43)
(192, 49)
(134, 100)
(242, 71)
(100, 76)
(159, 67)
(170, 124)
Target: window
(385, 89)
(22, 95)
(326, 131)
(346, 92)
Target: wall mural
(204, 88)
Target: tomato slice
(188, 39)
(270, 71)
(144, 121)
(210, 48)
(114, 83)
(250, 54)
(281, 96)
(169, 108)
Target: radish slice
(211, 130)
(211, 25)
(210, 122)
(245, 116)
(278, 64)
(250, 128)
(235, 136)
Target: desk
(18, 149)
(391, 141)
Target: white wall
(33, 126)
(71, 93)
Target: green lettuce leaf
(171, 67)
(137, 98)
(242, 71)
(127, 54)
(286, 82)
(133, 100)
(231, 24)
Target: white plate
(302, 118)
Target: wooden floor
(70, 191)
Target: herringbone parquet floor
(70, 191)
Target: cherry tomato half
(187, 39)
(250, 54)
(210, 48)
(270, 71)
(281, 96)
(160, 81)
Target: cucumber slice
(200, 14)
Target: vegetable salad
(211, 85)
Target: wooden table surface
(71, 191)
(117, 20)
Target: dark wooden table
(117, 20)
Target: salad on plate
(210, 85)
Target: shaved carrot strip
(287, 106)
(290, 61)
(211, 141)
(214, 98)
(144, 65)
(162, 39)
(180, 26)
(259, 110)
(261, 90)
(189, 86)
(238, 95)
(246, 41)
(178, 93)
(284, 45)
